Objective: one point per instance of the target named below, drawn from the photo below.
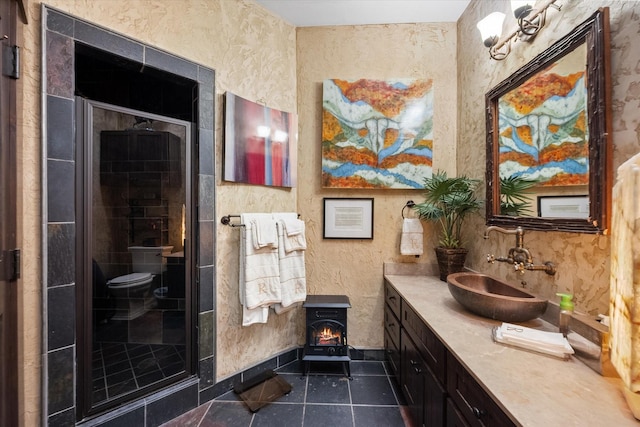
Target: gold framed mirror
(549, 135)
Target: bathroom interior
(117, 71)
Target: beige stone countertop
(534, 389)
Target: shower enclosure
(135, 193)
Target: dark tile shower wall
(61, 31)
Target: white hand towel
(293, 226)
(411, 242)
(259, 275)
(263, 227)
(294, 240)
(292, 271)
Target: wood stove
(326, 338)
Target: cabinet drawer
(475, 405)
(392, 298)
(429, 346)
(392, 325)
(393, 355)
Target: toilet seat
(130, 280)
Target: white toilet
(132, 290)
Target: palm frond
(448, 201)
(514, 191)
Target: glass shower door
(135, 194)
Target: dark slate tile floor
(325, 397)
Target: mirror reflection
(547, 141)
(543, 142)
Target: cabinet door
(477, 407)
(425, 395)
(428, 344)
(411, 379)
(434, 399)
(454, 417)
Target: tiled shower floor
(122, 367)
(325, 397)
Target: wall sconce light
(490, 31)
(530, 22)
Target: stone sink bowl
(490, 297)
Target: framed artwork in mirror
(549, 126)
(563, 206)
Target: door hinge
(11, 61)
(10, 265)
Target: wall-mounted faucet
(518, 255)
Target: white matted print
(348, 218)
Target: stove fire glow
(327, 336)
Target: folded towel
(259, 275)
(293, 226)
(279, 309)
(292, 272)
(296, 240)
(256, 315)
(551, 343)
(264, 231)
(411, 242)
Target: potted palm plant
(447, 202)
(514, 195)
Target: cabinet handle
(418, 370)
(478, 412)
(412, 362)
(391, 325)
(392, 298)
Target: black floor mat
(262, 389)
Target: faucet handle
(491, 258)
(519, 266)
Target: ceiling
(313, 13)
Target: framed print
(260, 143)
(377, 133)
(563, 206)
(348, 218)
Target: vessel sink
(490, 297)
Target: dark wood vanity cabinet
(392, 329)
(438, 389)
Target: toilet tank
(149, 259)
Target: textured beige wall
(354, 267)
(582, 259)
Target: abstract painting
(377, 134)
(260, 144)
(543, 131)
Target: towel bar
(226, 220)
